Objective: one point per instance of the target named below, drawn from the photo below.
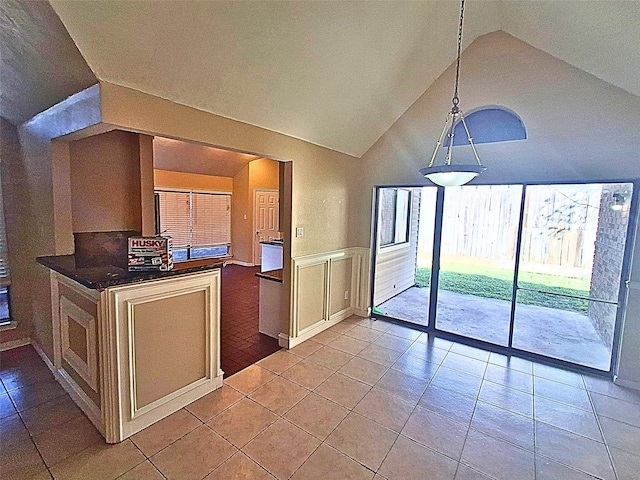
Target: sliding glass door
(528, 268)
(570, 267)
(477, 261)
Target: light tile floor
(364, 400)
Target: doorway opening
(206, 200)
(534, 270)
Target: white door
(266, 220)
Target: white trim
(20, 342)
(90, 409)
(88, 293)
(109, 372)
(358, 302)
(286, 341)
(54, 278)
(81, 399)
(136, 411)
(124, 417)
(243, 264)
(88, 370)
(10, 325)
(298, 267)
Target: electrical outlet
(299, 232)
(346, 294)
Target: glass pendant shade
(452, 175)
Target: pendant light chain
(456, 100)
(447, 174)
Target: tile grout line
(604, 439)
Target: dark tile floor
(240, 342)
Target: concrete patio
(552, 332)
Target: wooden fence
(560, 224)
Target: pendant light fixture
(447, 174)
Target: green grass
(497, 283)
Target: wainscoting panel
(327, 288)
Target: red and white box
(150, 254)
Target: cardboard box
(150, 254)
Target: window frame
(396, 245)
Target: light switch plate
(299, 232)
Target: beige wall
(15, 197)
(147, 201)
(263, 173)
(241, 217)
(312, 298)
(168, 178)
(105, 183)
(35, 234)
(258, 174)
(321, 177)
(157, 373)
(38, 207)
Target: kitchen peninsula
(133, 347)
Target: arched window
(490, 125)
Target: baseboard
(361, 312)
(285, 341)
(242, 264)
(626, 383)
(80, 398)
(21, 342)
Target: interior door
(266, 221)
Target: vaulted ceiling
(39, 63)
(337, 74)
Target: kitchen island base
(130, 355)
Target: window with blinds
(5, 316)
(198, 222)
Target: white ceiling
(337, 74)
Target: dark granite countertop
(100, 277)
(278, 243)
(275, 275)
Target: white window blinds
(175, 217)
(195, 219)
(211, 219)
